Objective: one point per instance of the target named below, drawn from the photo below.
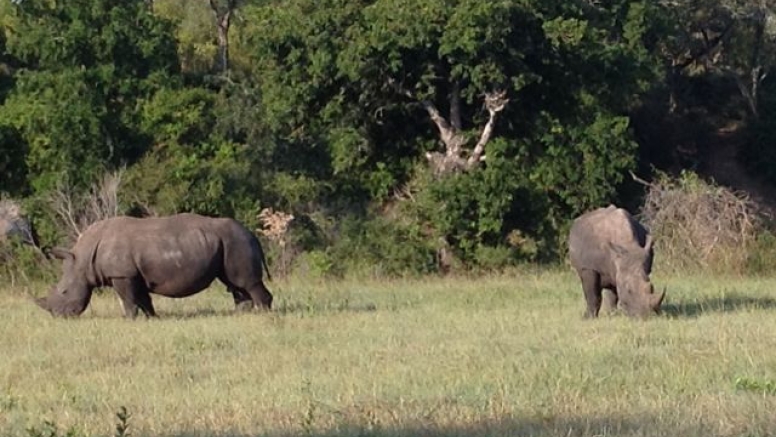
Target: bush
(21, 263)
(379, 246)
(762, 253)
(700, 226)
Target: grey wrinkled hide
(174, 256)
(610, 250)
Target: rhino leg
(262, 298)
(134, 296)
(610, 300)
(257, 293)
(591, 285)
(242, 300)
(143, 297)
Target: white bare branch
(495, 102)
(451, 133)
(76, 212)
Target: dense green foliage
(331, 110)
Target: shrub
(762, 253)
(21, 263)
(380, 246)
(699, 225)
(21, 259)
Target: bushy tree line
(404, 136)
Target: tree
(222, 11)
(729, 38)
(84, 66)
(371, 88)
(194, 31)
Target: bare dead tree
(456, 158)
(275, 226)
(222, 11)
(699, 225)
(77, 211)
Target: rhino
(611, 250)
(174, 256)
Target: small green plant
(317, 263)
(8, 402)
(308, 418)
(50, 429)
(122, 426)
(766, 387)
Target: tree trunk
(754, 66)
(223, 18)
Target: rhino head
(71, 295)
(635, 291)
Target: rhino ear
(60, 253)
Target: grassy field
(503, 355)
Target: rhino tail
(266, 267)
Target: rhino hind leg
(242, 300)
(243, 291)
(262, 298)
(134, 296)
(591, 285)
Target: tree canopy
(397, 132)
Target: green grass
(503, 355)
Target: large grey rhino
(609, 249)
(174, 256)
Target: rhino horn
(648, 243)
(43, 303)
(657, 299)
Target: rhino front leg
(610, 300)
(134, 296)
(591, 285)
(143, 298)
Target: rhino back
(592, 232)
(175, 254)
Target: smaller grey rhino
(174, 256)
(610, 250)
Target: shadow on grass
(292, 308)
(723, 304)
(324, 307)
(594, 426)
(280, 309)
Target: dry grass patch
(507, 355)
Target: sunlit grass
(502, 355)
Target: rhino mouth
(61, 309)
